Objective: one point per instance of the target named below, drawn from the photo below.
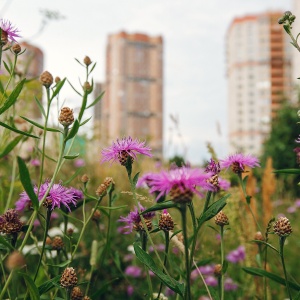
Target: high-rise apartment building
(259, 78)
(133, 100)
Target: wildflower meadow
(122, 225)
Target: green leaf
(287, 171)
(7, 67)
(26, 182)
(265, 243)
(212, 210)
(74, 89)
(39, 104)
(71, 156)
(40, 126)
(112, 208)
(18, 131)
(79, 62)
(135, 178)
(11, 146)
(72, 177)
(103, 289)
(12, 98)
(175, 233)
(58, 87)
(93, 67)
(32, 288)
(96, 100)
(160, 206)
(84, 122)
(274, 277)
(48, 285)
(73, 131)
(224, 266)
(4, 242)
(147, 260)
(61, 265)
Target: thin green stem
(281, 246)
(167, 243)
(49, 211)
(12, 187)
(222, 262)
(6, 285)
(68, 294)
(144, 247)
(187, 294)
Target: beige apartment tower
(133, 100)
(259, 78)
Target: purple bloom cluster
(237, 255)
(240, 160)
(213, 167)
(127, 145)
(184, 178)
(8, 29)
(134, 218)
(58, 195)
(133, 271)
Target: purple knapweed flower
(133, 271)
(239, 161)
(58, 195)
(124, 148)
(181, 183)
(77, 194)
(236, 255)
(297, 203)
(78, 163)
(291, 209)
(147, 179)
(229, 285)
(224, 184)
(213, 167)
(9, 32)
(134, 221)
(35, 162)
(130, 290)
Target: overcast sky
(194, 53)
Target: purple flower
(133, 220)
(224, 184)
(77, 194)
(181, 183)
(236, 255)
(133, 271)
(211, 281)
(35, 162)
(8, 30)
(207, 270)
(238, 162)
(147, 179)
(291, 209)
(297, 203)
(78, 163)
(229, 285)
(58, 195)
(130, 290)
(213, 167)
(122, 149)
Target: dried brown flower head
(15, 260)
(218, 270)
(221, 219)
(57, 243)
(166, 222)
(85, 178)
(76, 293)
(46, 79)
(258, 236)
(68, 278)
(10, 222)
(96, 215)
(282, 227)
(57, 79)
(180, 194)
(66, 116)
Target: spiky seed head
(68, 278)
(166, 222)
(282, 227)
(66, 117)
(15, 260)
(108, 181)
(87, 61)
(139, 226)
(10, 222)
(16, 48)
(46, 79)
(181, 194)
(101, 190)
(221, 219)
(85, 178)
(76, 293)
(218, 270)
(57, 243)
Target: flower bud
(66, 117)
(46, 79)
(87, 61)
(16, 48)
(282, 227)
(221, 219)
(68, 278)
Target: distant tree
(177, 160)
(281, 143)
